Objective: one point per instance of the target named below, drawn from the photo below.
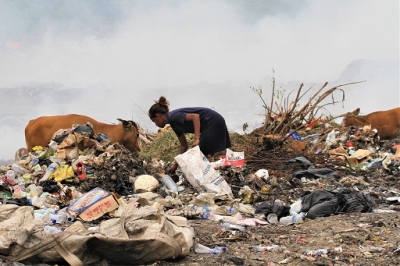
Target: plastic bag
(200, 173)
(231, 158)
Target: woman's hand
(196, 142)
(173, 168)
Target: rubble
(343, 181)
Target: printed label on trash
(93, 204)
(231, 158)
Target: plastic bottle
(34, 161)
(68, 217)
(206, 215)
(211, 216)
(50, 170)
(218, 250)
(43, 214)
(58, 218)
(169, 183)
(18, 169)
(295, 207)
(39, 216)
(291, 219)
(232, 226)
(199, 248)
(51, 229)
(320, 251)
(266, 248)
(206, 208)
(11, 175)
(286, 220)
(61, 217)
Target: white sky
(207, 53)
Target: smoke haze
(111, 59)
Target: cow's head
(21, 154)
(130, 138)
(348, 118)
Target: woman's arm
(195, 118)
(183, 142)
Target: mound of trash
(83, 200)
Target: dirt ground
(349, 239)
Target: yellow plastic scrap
(63, 172)
(38, 148)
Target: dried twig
(282, 116)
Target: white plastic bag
(201, 174)
(331, 139)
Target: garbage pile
(73, 201)
(84, 200)
(361, 148)
(355, 148)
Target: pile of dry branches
(289, 116)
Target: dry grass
(165, 145)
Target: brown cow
(386, 122)
(39, 131)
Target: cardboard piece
(93, 204)
(357, 158)
(361, 154)
(339, 154)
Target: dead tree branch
(284, 115)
